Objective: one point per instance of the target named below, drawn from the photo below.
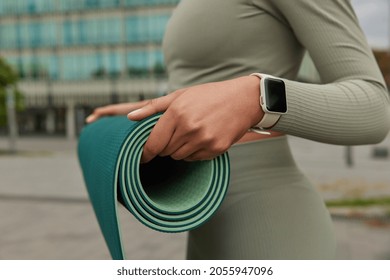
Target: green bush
(8, 77)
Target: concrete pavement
(45, 213)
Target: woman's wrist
(252, 94)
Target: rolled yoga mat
(164, 194)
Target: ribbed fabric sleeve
(347, 113)
(353, 106)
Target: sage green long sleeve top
(215, 40)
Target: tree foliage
(8, 78)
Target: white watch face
(275, 96)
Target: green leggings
(271, 210)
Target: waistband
(263, 154)
(262, 164)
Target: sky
(374, 18)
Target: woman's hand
(200, 122)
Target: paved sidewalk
(45, 213)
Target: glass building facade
(83, 39)
(83, 53)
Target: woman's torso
(208, 41)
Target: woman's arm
(352, 106)
(199, 122)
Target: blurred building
(73, 55)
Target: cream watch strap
(269, 119)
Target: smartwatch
(273, 100)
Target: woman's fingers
(153, 106)
(91, 118)
(158, 139)
(114, 109)
(164, 129)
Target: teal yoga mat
(164, 194)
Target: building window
(8, 35)
(141, 29)
(92, 31)
(145, 63)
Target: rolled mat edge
(165, 195)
